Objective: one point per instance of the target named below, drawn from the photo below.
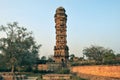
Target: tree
(98, 53)
(71, 57)
(43, 58)
(108, 56)
(1, 59)
(18, 47)
(2, 63)
(50, 58)
(117, 56)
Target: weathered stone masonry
(61, 53)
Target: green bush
(64, 71)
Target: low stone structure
(42, 67)
(57, 77)
(9, 76)
(49, 66)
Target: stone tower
(61, 53)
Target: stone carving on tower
(61, 49)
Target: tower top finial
(60, 9)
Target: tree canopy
(18, 47)
(43, 58)
(99, 54)
(71, 57)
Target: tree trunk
(12, 71)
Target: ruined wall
(9, 76)
(106, 71)
(42, 67)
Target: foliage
(76, 77)
(99, 54)
(41, 61)
(75, 64)
(18, 47)
(50, 59)
(118, 55)
(71, 57)
(2, 62)
(108, 56)
(43, 58)
(64, 71)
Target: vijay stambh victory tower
(61, 53)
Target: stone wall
(98, 72)
(49, 66)
(57, 77)
(42, 67)
(9, 76)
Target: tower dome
(60, 10)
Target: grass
(77, 78)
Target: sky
(89, 22)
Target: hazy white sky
(90, 22)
